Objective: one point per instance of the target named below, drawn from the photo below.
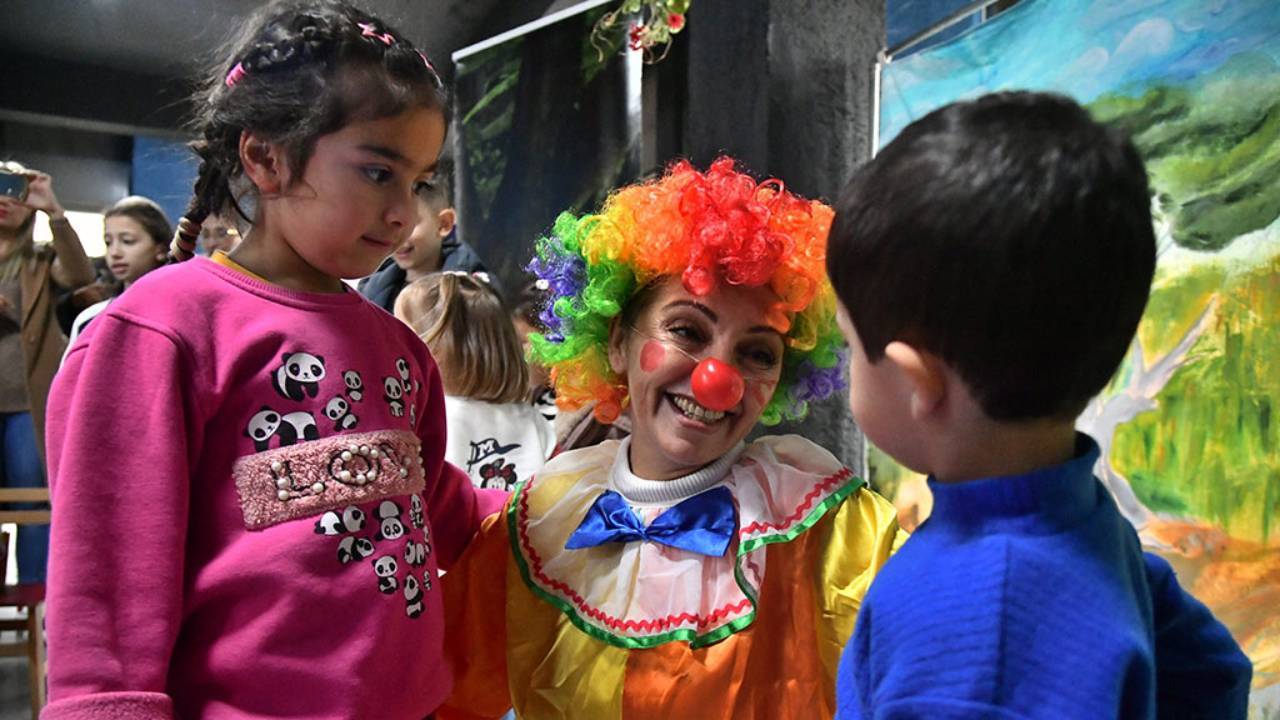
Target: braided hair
(299, 70)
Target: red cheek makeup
(652, 355)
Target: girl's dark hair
(146, 213)
(299, 70)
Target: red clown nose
(717, 385)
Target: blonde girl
(494, 433)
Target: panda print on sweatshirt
(298, 376)
(354, 385)
(286, 428)
(392, 541)
(393, 394)
(339, 411)
(387, 538)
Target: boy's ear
(925, 374)
(264, 163)
(618, 348)
(445, 220)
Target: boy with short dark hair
(992, 264)
(433, 245)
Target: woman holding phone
(31, 343)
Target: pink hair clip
(236, 74)
(434, 73)
(370, 31)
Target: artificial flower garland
(658, 21)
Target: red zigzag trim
(793, 518)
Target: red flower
(675, 21)
(637, 37)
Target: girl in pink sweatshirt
(250, 502)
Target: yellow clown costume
(727, 593)
(642, 630)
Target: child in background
(136, 234)
(980, 329)
(433, 245)
(262, 447)
(494, 433)
(219, 233)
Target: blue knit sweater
(1030, 597)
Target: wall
(786, 87)
(90, 170)
(165, 171)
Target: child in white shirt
(495, 435)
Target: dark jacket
(385, 284)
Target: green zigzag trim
(809, 521)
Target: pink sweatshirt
(250, 504)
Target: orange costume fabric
(643, 630)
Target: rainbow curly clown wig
(717, 226)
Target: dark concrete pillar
(786, 87)
(727, 110)
(822, 65)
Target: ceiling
(114, 65)
(166, 37)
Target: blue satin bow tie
(702, 524)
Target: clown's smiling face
(656, 348)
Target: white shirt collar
(639, 491)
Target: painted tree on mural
(1132, 394)
(1213, 153)
(1213, 150)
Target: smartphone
(14, 186)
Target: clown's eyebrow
(713, 317)
(696, 306)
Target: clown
(680, 572)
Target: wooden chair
(28, 597)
